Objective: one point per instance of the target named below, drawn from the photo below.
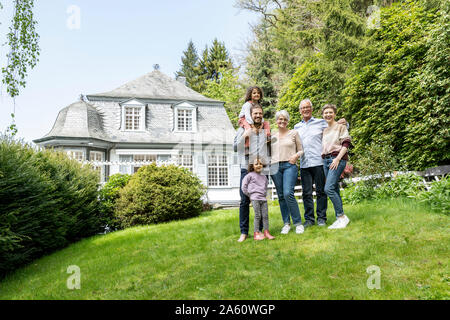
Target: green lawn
(201, 259)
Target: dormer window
(133, 115)
(184, 120)
(185, 117)
(132, 118)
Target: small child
(254, 185)
(253, 96)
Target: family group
(321, 145)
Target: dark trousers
(244, 207)
(310, 176)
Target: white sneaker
(285, 229)
(299, 229)
(340, 223)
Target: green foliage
(189, 65)
(47, 201)
(315, 80)
(399, 85)
(400, 186)
(109, 194)
(409, 185)
(261, 68)
(229, 90)
(405, 185)
(23, 46)
(158, 194)
(438, 197)
(357, 192)
(376, 160)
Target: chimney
(182, 80)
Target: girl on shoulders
(253, 96)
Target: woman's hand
(293, 159)
(334, 164)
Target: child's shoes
(258, 236)
(268, 235)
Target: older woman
(335, 143)
(286, 150)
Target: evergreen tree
(189, 64)
(218, 58)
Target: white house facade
(152, 118)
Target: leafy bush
(405, 185)
(398, 88)
(108, 196)
(357, 192)
(46, 201)
(158, 194)
(438, 197)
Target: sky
(93, 46)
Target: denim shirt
(311, 135)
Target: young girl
(253, 96)
(254, 185)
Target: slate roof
(101, 118)
(154, 85)
(78, 120)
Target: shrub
(108, 197)
(158, 194)
(405, 185)
(46, 202)
(398, 85)
(438, 197)
(357, 192)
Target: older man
(258, 147)
(310, 130)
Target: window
(185, 160)
(217, 170)
(75, 154)
(132, 118)
(133, 115)
(184, 120)
(98, 156)
(142, 157)
(185, 117)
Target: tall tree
(189, 64)
(218, 58)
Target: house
(152, 118)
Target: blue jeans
(244, 208)
(332, 184)
(284, 180)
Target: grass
(201, 259)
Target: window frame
(102, 168)
(135, 104)
(185, 106)
(218, 166)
